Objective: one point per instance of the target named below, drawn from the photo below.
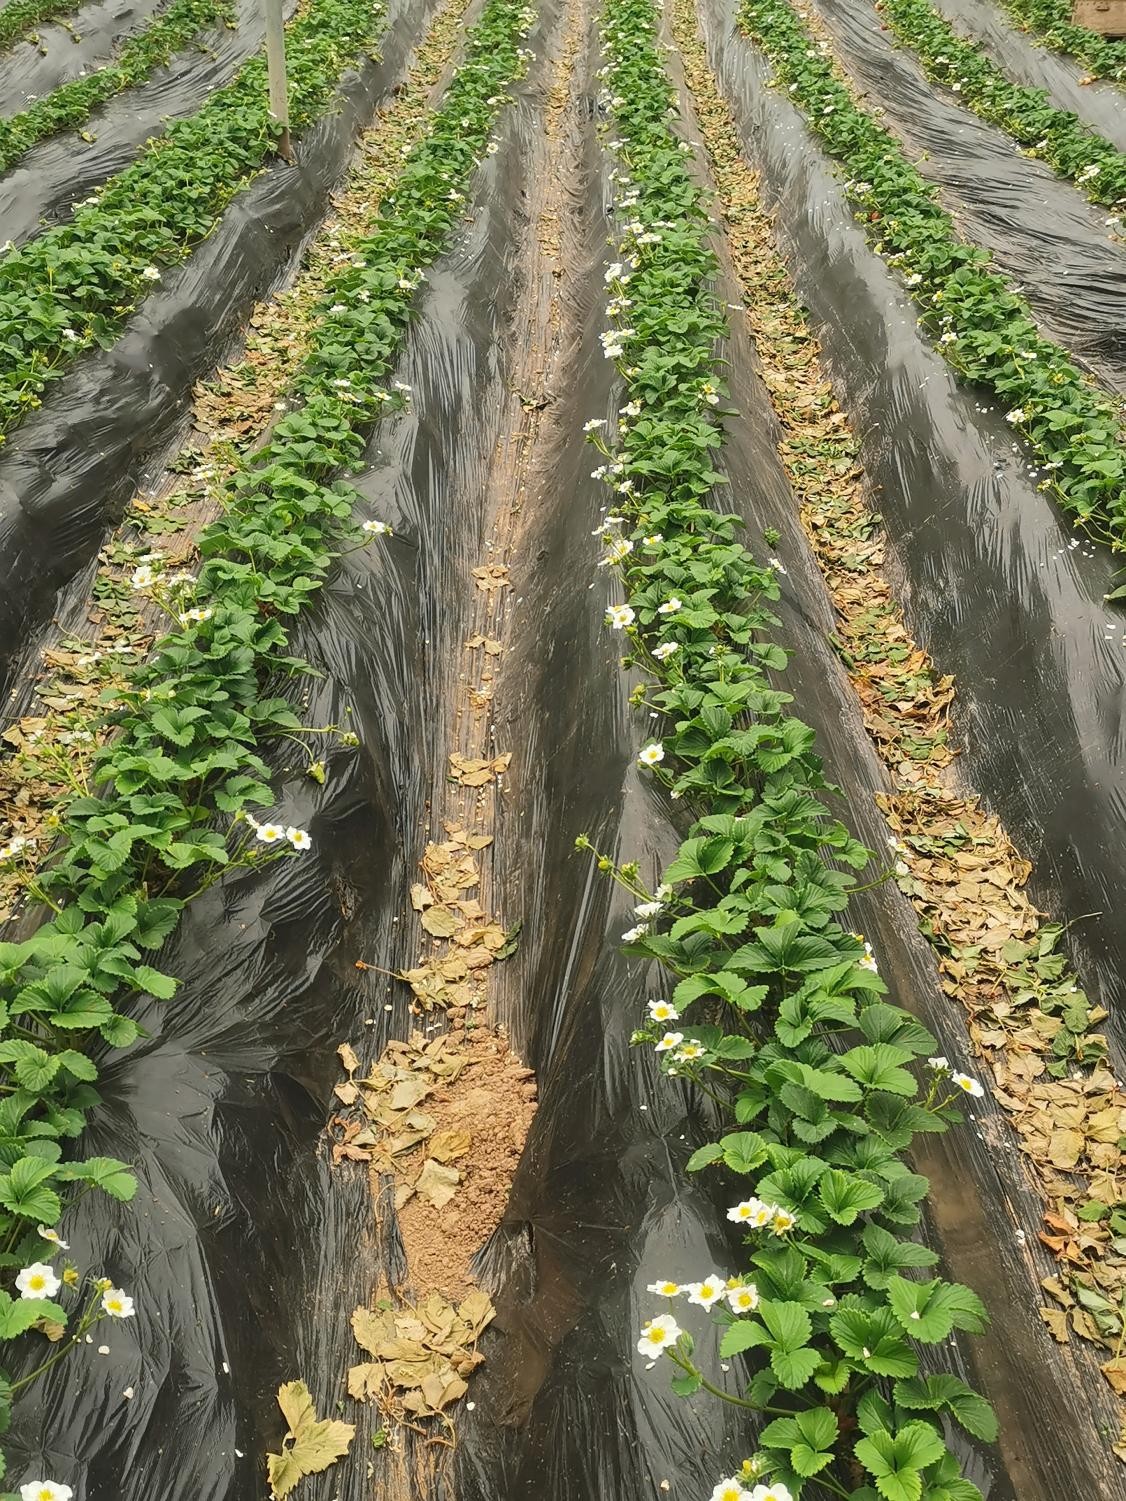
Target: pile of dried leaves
(396, 1129)
(997, 954)
(421, 1356)
(453, 979)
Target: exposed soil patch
(483, 1117)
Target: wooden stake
(275, 64)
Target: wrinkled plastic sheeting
(993, 582)
(246, 1256)
(61, 171)
(1043, 233)
(70, 467)
(1099, 103)
(31, 69)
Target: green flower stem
(981, 326)
(89, 1318)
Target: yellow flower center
(36, 1282)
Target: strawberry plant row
(19, 18)
(1056, 136)
(982, 327)
(71, 103)
(776, 1011)
(182, 767)
(1049, 21)
(74, 286)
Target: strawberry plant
(1056, 136)
(19, 18)
(776, 1010)
(1049, 21)
(983, 328)
(74, 286)
(71, 103)
(179, 775)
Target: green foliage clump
(71, 103)
(981, 326)
(777, 1011)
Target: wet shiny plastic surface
(243, 1249)
(68, 468)
(1043, 233)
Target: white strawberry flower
(707, 1292)
(743, 1299)
(968, 1085)
(670, 1040)
(665, 1289)
(651, 755)
(299, 838)
(117, 1304)
(658, 1335)
(745, 1212)
(731, 1489)
(270, 833)
(38, 1281)
(663, 1011)
(45, 1490)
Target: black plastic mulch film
(73, 464)
(245, 1253)
(64, 168)
(1043, 233)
